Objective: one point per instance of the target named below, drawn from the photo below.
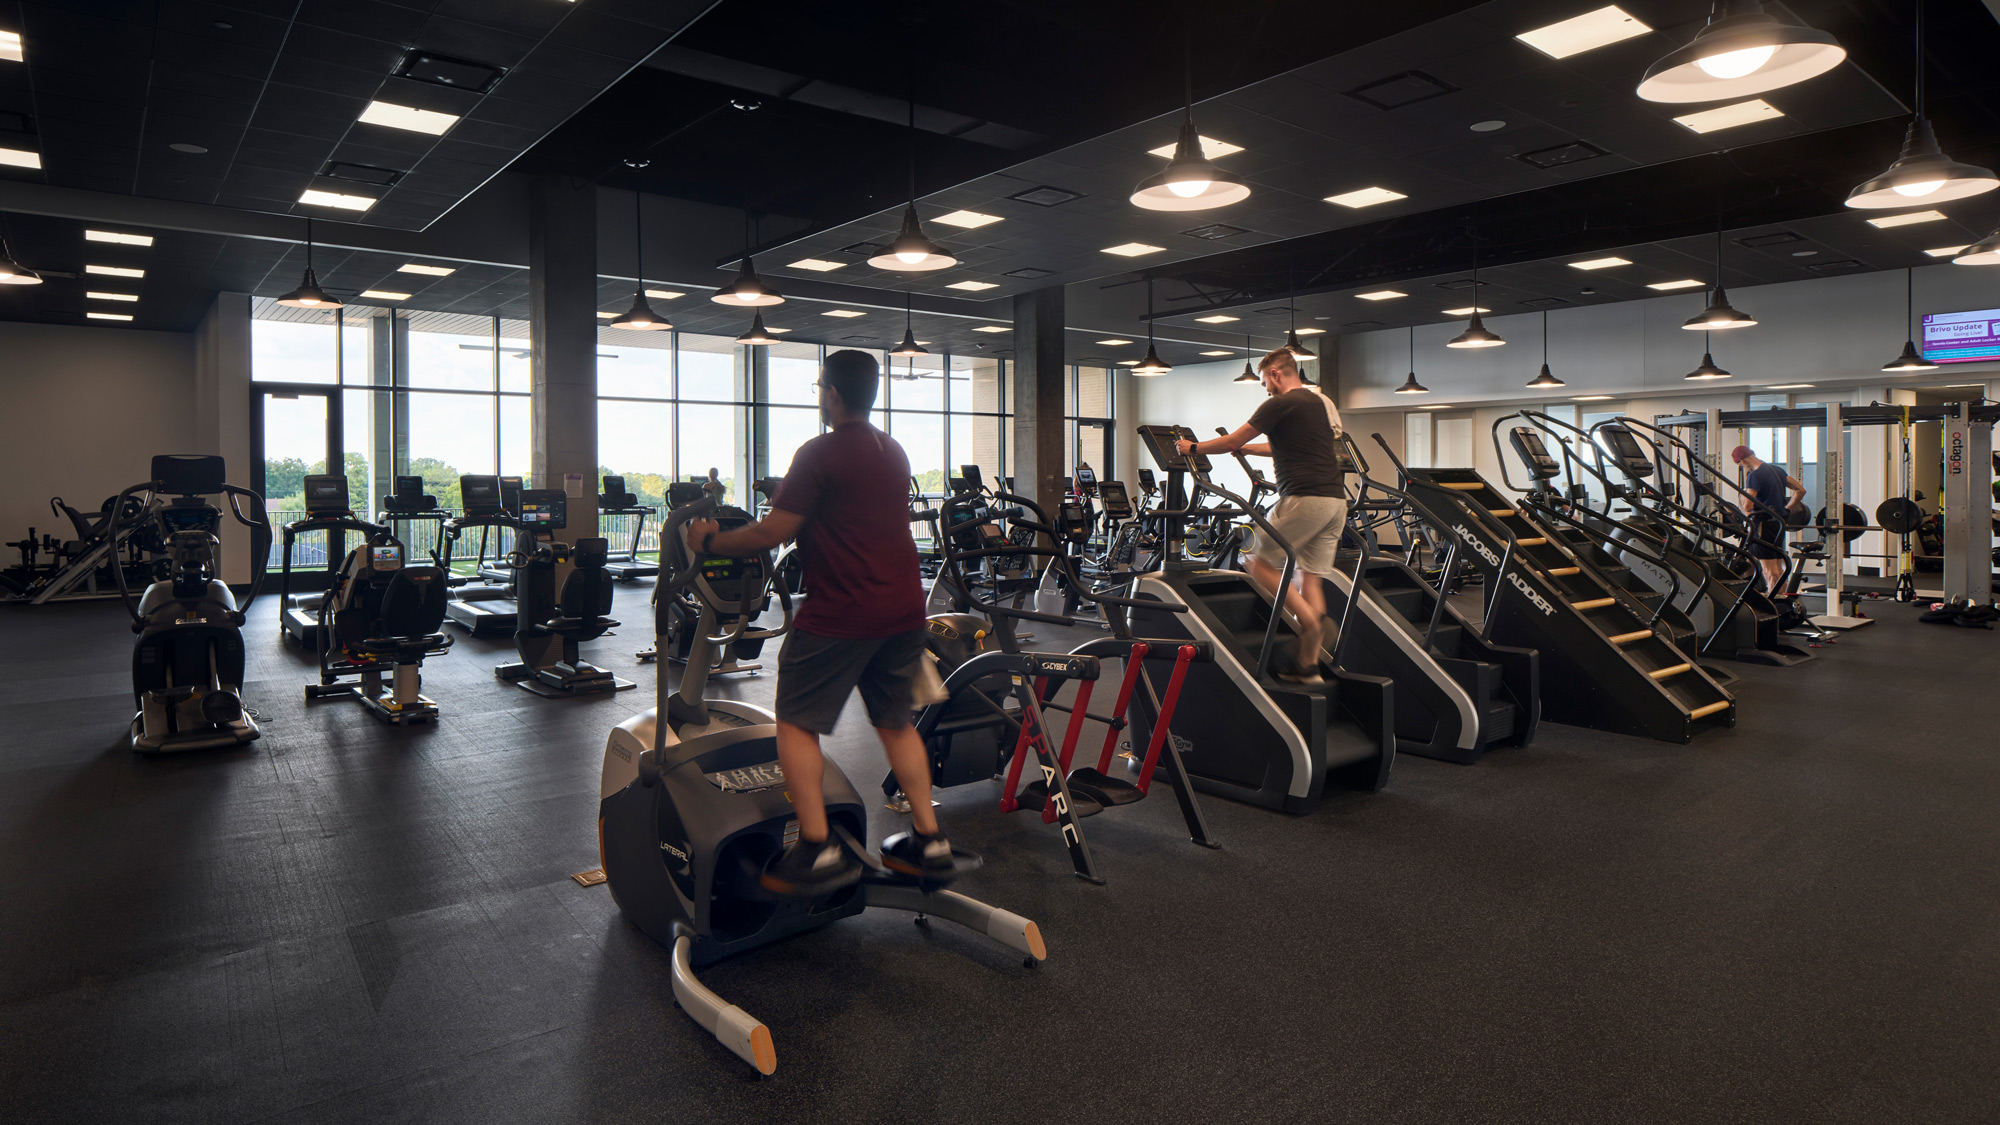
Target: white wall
(88, 408)
(1201, 397)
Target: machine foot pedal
(1035, 794)
(1106, 790)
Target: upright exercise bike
(550, 622)
(693, 805)
(187, 667)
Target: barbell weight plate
(1898, 515)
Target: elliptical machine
(692, 807)
(550, 623)
(187, 666)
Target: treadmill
(487, 609)
(614, 500)
(407, 506)
(327, 510)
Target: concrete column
(1038, 396)
(222, 412)
(562, 373)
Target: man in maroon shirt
(846, 499)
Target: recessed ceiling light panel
(1366, 197)
(20, 158)
(118, 237)
(1587, 32)
(817, 265)
(1114, 343)
(10, 46)
(114, 271)
(1729, 116)
(973, 286)
(1381, 295)
(1790, 387)
(847, 314)
(665, 294)
(384, 295)
(1218, 318)
(1906, 219)
(408, 117)
(1467, 310)
(318, 198)
(1600, 263)
(97, 295)
(993, 328)
(1683, 283)
(1591, 398)
(1946, 251)
(427, 271)
(108, 316)
(1133, 249)
(1219, 353)
(968, 220)
(1210, 149)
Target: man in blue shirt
(1764, 511)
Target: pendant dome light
(1249, 373)
(1189, 182)
(1985, 252)
(748, 290)
(1152, 364)
(912, 251)
(1475, 334)
(1741, 52)
(1719, 315)
(1922, 173)
(1911, 361)
(1708, 369)
(309, 295)
(1411, 386)
(1546, 378)
(13, 272)
(756, 336)
(909, 346)
(1299, 351)
(640, 317)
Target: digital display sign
(1962, 337)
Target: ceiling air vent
(1275, 310)
(1835, 267)
(361, 173)
(861, 249)
(1397, 91)
(1458, 283)
(1046, 196)
(1556, 156)
(1028, 273)
(1214, 231)
(443, 70)
(1544, 302)
(16, 123)
(1775, 238)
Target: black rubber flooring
(1793, 921)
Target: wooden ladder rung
(1628, 638)
(1463, 485)
(1594, 603)
(1707, 709)
(1503, 513)
(1537, 541)
(1669, 670)
(1563, 571)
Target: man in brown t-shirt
(846, 500)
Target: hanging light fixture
(13, 272)
(1922, 173)
(909, 346)
(1911, 361)
(1410, 385)
(1152, 364)
(912, 251)
(748, 290)
(756, 336)
(1475, 334)
(640, 317)
(1985, 252)
(1249, 373)
(1741, 52)
(309, 295)
(1299, 351)
(1546, 378)
(1189, 182)
(1719, 316)
(1708, 369)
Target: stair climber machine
(1632, 561)
(684, 616)
(1458, 695)
(1252, 737)
(489, 607)
(381, 617)
(692, 805)
(187, 666)
(1602, 666)
(625, 565)
(1720, 582)
(994, 714)
(328, 511)
(551, 622)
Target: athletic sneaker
(915, 854)
(809, 870)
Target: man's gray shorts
(816, 675)
(1312, 525)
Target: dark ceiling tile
(540, 89)
(592, 27)
(356, 51)
(530, 18)
(373, 19)
(186, 51)
(473, 43)
(329, 78)
(586, 68)
(175, 79)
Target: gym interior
(382, 750)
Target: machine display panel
(1962, 337)
(544, 509)
(386, 556)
